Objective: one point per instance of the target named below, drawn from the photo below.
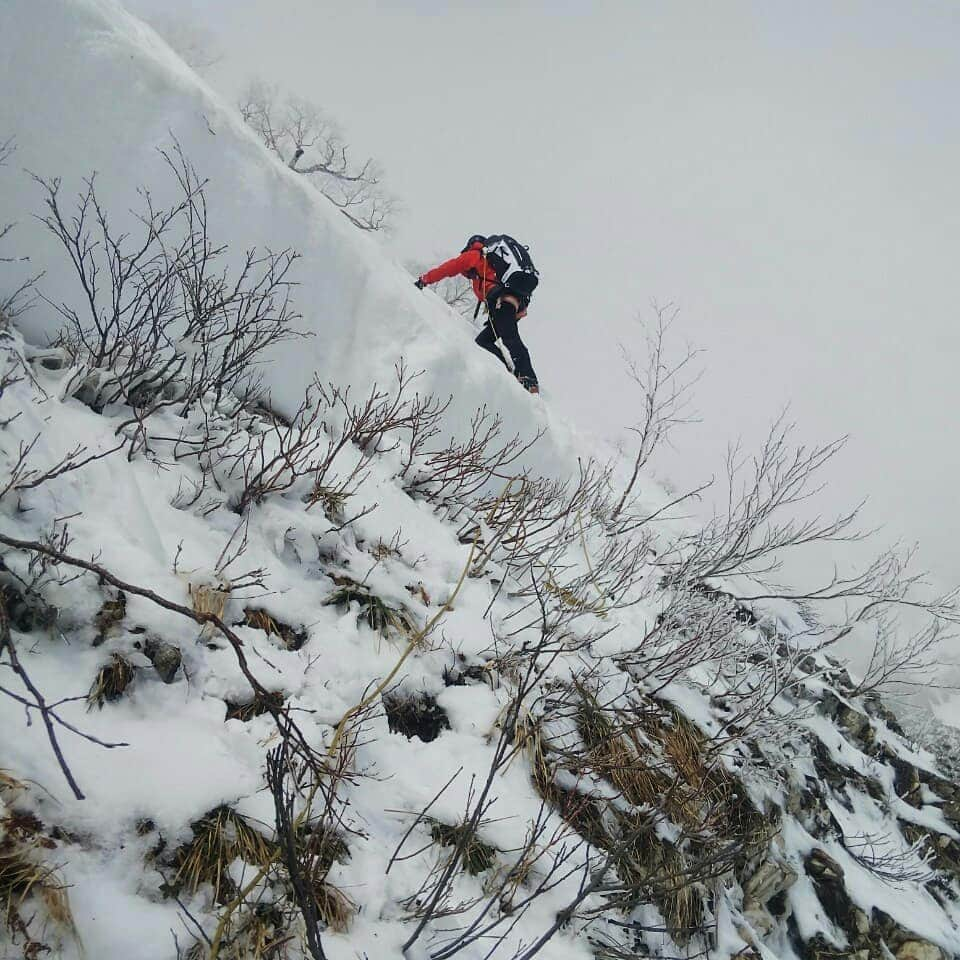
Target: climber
(504, 278)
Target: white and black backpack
(511, 263)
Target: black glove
(418, 283)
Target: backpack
(511, 263)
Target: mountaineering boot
(529, 385)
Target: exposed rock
(165, 657)
(462, 676)
(771, 878)
(951, 811)
(919, 950)
(821, 866)
(874, 706)
(827, 876)
(907, 782)
(855, 724)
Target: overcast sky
(786, 173)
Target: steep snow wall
(88, 88)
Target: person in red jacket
(504, 309)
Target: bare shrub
(163, 321)
(760, 521)
(24, 476)
(462, 469)
(545, 859)
(321, 451)
(12, 302)
(311, 143)
(34, 899)
(665, 385)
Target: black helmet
(476, 238)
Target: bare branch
(665, 385)
(300, 134)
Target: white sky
(786, 173)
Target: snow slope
(88, 88)
(853, 835)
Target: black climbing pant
(502, 324)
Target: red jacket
(471, 265)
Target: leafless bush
(762, 523)
(24, 476)
(760, 527)
(665, 386)
(884, 859)
(262, 455)
(555, 538)
(12, 302)
(272, 460)
(163, 322)
(394, 413)
(309, 142)
(52, 555)
(6, 151)
(458, 472)
(31, 698)
(548, 854)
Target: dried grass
(573, 600)
(383, 551)
(26, 880)
(111, 681)
(322, 848)
(660, 764)
(331, 499)
(259, 933)
(10, 786)
(415, 715)
(23, 877)
(110, 614)
(617, 754)
(375, 612)
(650, 866)
(476, 856)
(219, 838)
(259, 705)
(209, 598)
(259, 619)
(335, 908)
(325, 847)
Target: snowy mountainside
(109, 95)
(369, 674)
(578, 754)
